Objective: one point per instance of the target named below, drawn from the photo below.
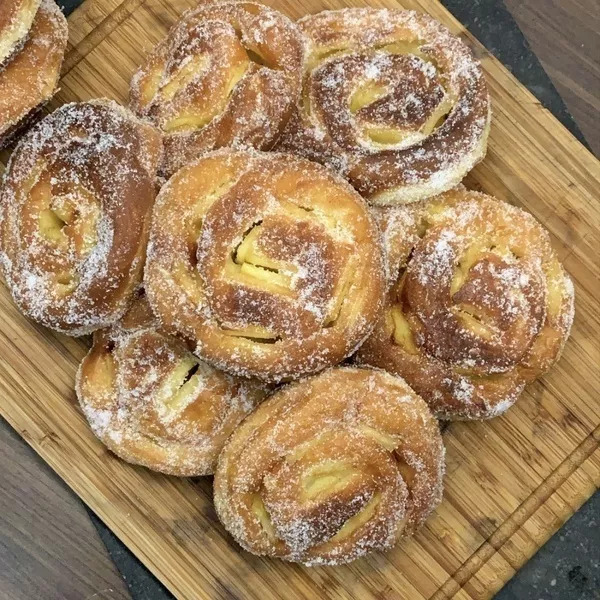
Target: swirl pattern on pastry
(331, 468)
(74, 215)
(153, 403)
(30, 78)
(16, 18)
(479, 304)
(227, 74)
(270, 264)
(392, 100)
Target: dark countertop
(568, 566)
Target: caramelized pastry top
(227, 74)
(153, 403)
(16, 17)
(391, 99)
(270, 264)
(30, 77)
(331, 468)
(74, 215)
(479, 303)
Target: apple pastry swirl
(269, 264)
(331, 468)
(29, 79)
(74, 215)
(479, 304)
(153, 403)
(227, 74)
(392, 100)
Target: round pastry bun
(392, 100)
(331, 468)
(75, 213)
(269, 264)
(478, 305)
(228, 74)
(153, 403)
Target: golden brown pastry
(227, 74)
(153, 403)
(75, 213)
(392, 100)
(479, 304)
(16, 18)
(331, 468)
(270, 264)
(29, 79)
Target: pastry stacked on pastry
(392, 100)
(478, 303)
(154, 403)
(269, 265)
(227, 74)
(75, 213)
(33, 39)
(248, 269)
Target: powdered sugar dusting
(228, 74)
(391, 99)
(273, 264)
(75, 204)
(15, 22)
(153, 403)
(30, 76)
(331, 468)
(478, 304)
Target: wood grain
(511, 482)
(37, 556)
(566, 38)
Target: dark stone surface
(141, 583)
(69, 6)
(568, 566)
(493, 25)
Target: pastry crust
(392, 100)
(270, 264)
(74, 215)
(153, 403)
(30, 78)
(479, 304)
(331, 468)
(228, 74)
(16, 18)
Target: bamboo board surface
(510, 482)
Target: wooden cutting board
(510, 482)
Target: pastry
(227, 74)
(30, 78)
(16, 18)
(153, 403)
(269, 264)
(479, 304)
(392, 100)
(74, 215)
(331, 468)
